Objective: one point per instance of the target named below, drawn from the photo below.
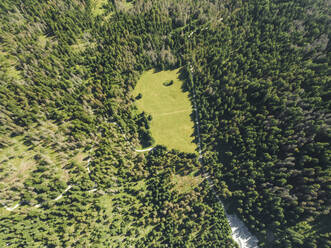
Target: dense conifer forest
(69, 172)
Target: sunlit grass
(97, 7)
(169, 107)
(185, 184)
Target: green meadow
(169, 107)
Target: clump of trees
(168, 83)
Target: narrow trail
(174, 112)
(55, 199)
(145, 150)
(240, 232)
(61, 195)
(88, 170)
(12, 208)
(37, 205)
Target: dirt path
(61, 195)
(38, 205)
(145, 150)
(58, 197)
(174, 112)
(12, 208)
(240, 232)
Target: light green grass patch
(125, 5)
(117, 208)
(42, 41)
(16, 161)
(170, 108)
(185, 184)
(8, 63)
(16, 164)
(81, 45)
(97, 7)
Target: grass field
(186, 184)
(170, 108)
(97, 8)
(8, 63)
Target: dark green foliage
(260, 70)
(179, 216)
(168, 83)
(139, 96)
(262, 85)
(76, 72)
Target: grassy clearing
(17, 160)
(8, 63)
(124, 226)
(124, 5)
(42, 41)
(170, 108)
(81, 45)
(97, 8)
(185, 184)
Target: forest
(259, 73)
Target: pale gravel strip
(12, 208)
(61, 195)
(145, 150)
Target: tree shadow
(186, 87)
